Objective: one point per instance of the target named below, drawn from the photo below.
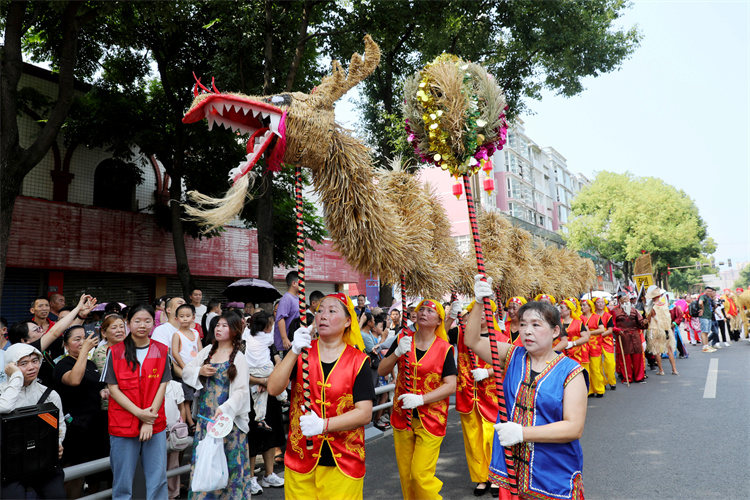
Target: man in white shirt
(164, 332)
(195, 299)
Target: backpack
(695, 309)
(178, 437)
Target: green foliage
(744, 279)
(620, 215)
(526, 44)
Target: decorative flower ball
(455, 114)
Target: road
(662, 439)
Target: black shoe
(642, 381)
(612, 387)
(600, 395)
(591, 395)
(478, 492)
(494, 490)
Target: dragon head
(293, 127)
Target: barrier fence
(102, 464)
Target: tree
(620, 215)
(744, 279)
(45, 30)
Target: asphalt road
(662, 439)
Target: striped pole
(502, 413)
(460, 321)
(407, 367)
(301, 273)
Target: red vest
(426, 376)
(579, 353)
(595, 341)
(518, 340)
(608, 341)
(329, 398)
(470, 393)
(140, 389)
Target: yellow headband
(352, 334)
(437, 307)
(518, 300)
(545, 296)
(494, 308)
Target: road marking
(709, 392)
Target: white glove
(454, 310)
(310, 423)
(404, 346)
(643, 345)
(302, 340)
(482, 289)
(509, 433)
(480, 374)
(570, 345)
(411, 401)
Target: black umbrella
(251, 290)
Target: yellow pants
(596, 385)
(416, 455)
(478, 435)
(609, 367)
(323, 483)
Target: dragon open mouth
(264, 122)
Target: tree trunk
(178, 236)
(386, 295)
(9, 189)
(264, 224)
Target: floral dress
(214, 393)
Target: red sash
(578, 353)
(470, 393)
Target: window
(463, 243)
(114, 184)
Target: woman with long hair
(137, 373)
(325, 452)
(545, 396)
(220, 372)
(426, 379)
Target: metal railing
(102, 464)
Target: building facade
(81, 225)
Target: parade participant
(576, 332)
(545, 395)
(593, 324)
(332, 466)
(220, 373)
(627, 325)
(137, 373)
(608, 342)
(476, 402)
(512, 323)
(660, 337)
(543, 297)
(427, 357)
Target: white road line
(709, 392)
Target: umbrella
(102, 305)
(597, 294)
(251, 290)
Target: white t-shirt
(199, 312)
(163, 333)
(173, 397)
(257, 350)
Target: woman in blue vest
(545, 396)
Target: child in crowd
(258, 340)
(174, 410)
(185, 346)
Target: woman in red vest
(428, 361)
(341, 394)
(577, 334)
(476, 402)
(608, 343)
(137, 373)
(512, 324)
(596, 328)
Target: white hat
(20, 350)
(653, 292)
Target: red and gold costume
(593, 322)
(476, 402)
(417, 448)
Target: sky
(677, 109)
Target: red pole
(502, 413)
(407, 366)
(301, 273)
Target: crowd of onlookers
(67, 347)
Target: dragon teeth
(275, 120)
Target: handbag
(210, 472)
(178, 436)
(29, 441)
